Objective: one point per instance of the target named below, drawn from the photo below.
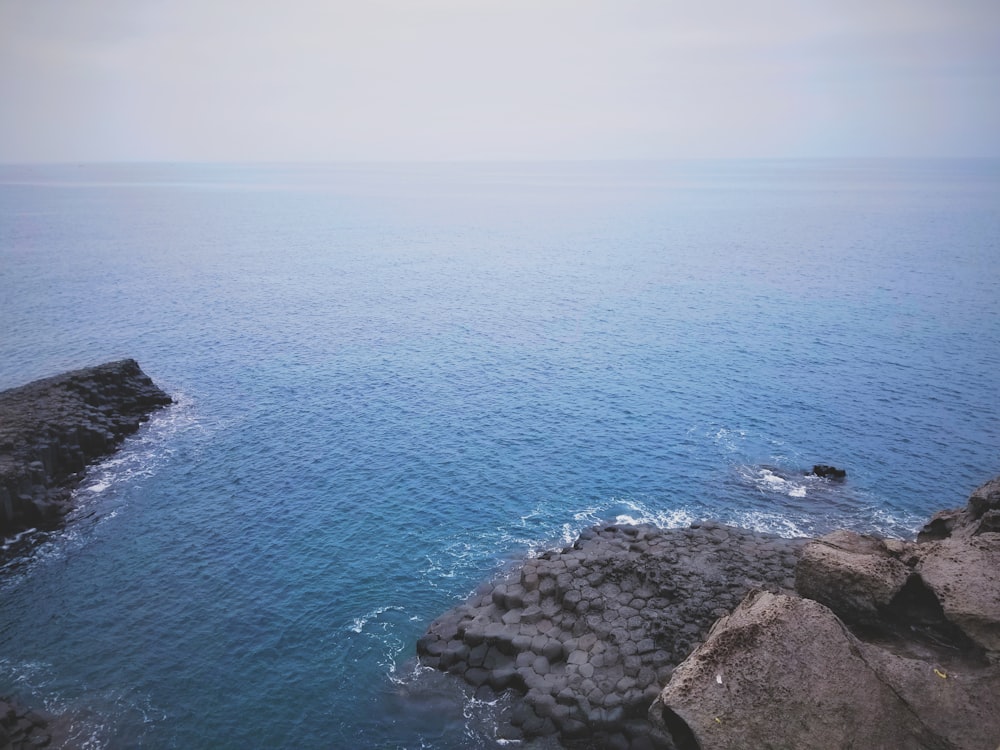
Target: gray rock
(854, 575)
(963, 573)
(782, 671)
(980, 515)
(587, 658)
(51, 428)
(589, 644)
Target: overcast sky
(303, 80)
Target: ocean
(393, 381)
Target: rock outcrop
(828, 472)
(889, 644)
(874, 643)
(51, 429)
(785, 672)
(981, 515)
(855, 575)
(964, 575)
(21, 728)
(586, 636)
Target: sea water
(392, 381)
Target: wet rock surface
(21, 728)
(586, 636)
(51, 429)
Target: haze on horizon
(314, 80)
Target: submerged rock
(829, 472)
(21, 728)
(51, 429)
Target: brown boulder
(784, 672)
(963, 574)
(854, 575)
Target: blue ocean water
(394, 380)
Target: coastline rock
(854, 575)
(783, 671)
(51, 429)
(882, 643)
(829, 472)
(586, 636)
(920, 620)
(22, 728)
(964, 575)
(980, 515)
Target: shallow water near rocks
(393, 381)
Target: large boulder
(958, 555)
(854, 575)
(964, 574)
(785, 672)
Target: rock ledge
(51, 429)
(587, 635)
(716, 637)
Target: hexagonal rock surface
(588, 635)
(51, 429)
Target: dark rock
(21, 727)
(981, 514)
(892, 643)
(829, 472)
(49, 431)
(586, 643)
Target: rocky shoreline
(637, 637)
(716, 637)
(51, 429)
(23, 728)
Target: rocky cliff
(715, 637)
(51, 429)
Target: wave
(105, 488)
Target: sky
(333, 80)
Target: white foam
(142, 453)
(772, 523)
(728, 439)
(766, 480)
(11, 540)
(97, 486)
(359, 623)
